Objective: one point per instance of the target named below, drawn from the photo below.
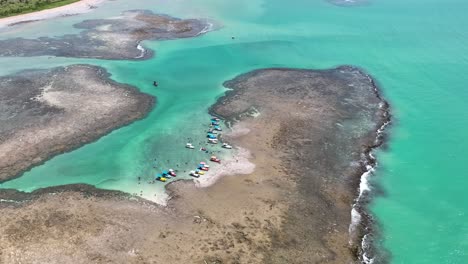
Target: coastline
(362, 228)
(79, 7)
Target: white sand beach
(80, 7)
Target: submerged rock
(349, 2)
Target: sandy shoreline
(80, 7)
(238, 163)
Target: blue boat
(212, 136)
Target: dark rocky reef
(114, 38)
(326, 122)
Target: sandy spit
(238, 164)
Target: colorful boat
(161, 179)
(172, 173)
(215, 159)
(194, 174)
(203, 168)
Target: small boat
(203, 168)
(218, 128)
(214, 123)
(165, 174)
(194, 174)
(155, 84)
(172, 173)
(161, 179)
(211, 136)
(202, 149)
(215, 159)
(212, 141)
(200, 172)
(214, 119)
(189, 146)
(202, 163)
(226, 146)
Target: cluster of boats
(212, 135)
(165, 175)
(202, 168)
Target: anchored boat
(213, 140)
(215, 159)
(226, 146)
(194, 174)
(172, 173)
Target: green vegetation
(16, 7)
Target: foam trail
(369, 162)
(209, 27)
(143, 51)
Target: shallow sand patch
(237, 164)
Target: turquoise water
(417, 51)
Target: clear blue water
(417, 51)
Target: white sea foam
(365, 189)
(8, 201)
(365, 244)
(209, 27)
(143, 51)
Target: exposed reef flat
(115, 38)
(47, 112)
(307, 141)
(316, 128)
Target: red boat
(215, 159)
(172, 173)
(203, 168)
